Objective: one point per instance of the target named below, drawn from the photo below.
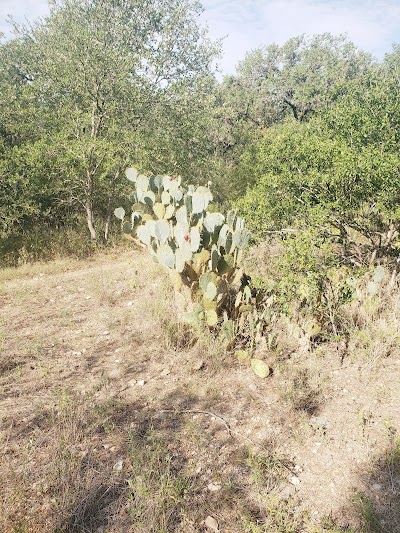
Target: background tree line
(303, 136)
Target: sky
(373, 25)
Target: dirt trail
(95, 338)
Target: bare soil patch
(111, 420)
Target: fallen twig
(230, 431)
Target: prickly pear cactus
(202, 250)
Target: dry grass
(110, 423)
(61, 482)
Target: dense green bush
(308, 176)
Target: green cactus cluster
(201, 249)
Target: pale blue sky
(373, 25)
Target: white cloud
(20, 10)
(371, 25)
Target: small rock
(115, 373)
(198, 365)
(118, 465)
(105, 333)
(106, 446)
(141, 382)
(288, 492)
(88, 298)
(132, 382)
(294, 480)
(319, 421)
(214, 487)
(211, 524)
(376, 486)
(130, 304)
(165, 372)
(298, 468)
(198, 470)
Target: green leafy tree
(95, 72)
(338, 171)
(302, 78)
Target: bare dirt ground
(111, 420)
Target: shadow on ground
(175, 466)
(375, 508)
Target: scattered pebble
(376, 486)
(105, 333)
(132, 382)
(88, 298)
(214, 487)
(294, 480)
(288, 492)
(130, 304)
(198, 365)
(118, 465)
(141, 382)
(319, 421)
(165, 372)
(114, 373)
(211, 524)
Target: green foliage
(298, 80)
(44, 243)
(327, 192)
(327, 175)
(76, 99)
(201, 249)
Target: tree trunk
(108, 221)
(109, 207)
(90, 220)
